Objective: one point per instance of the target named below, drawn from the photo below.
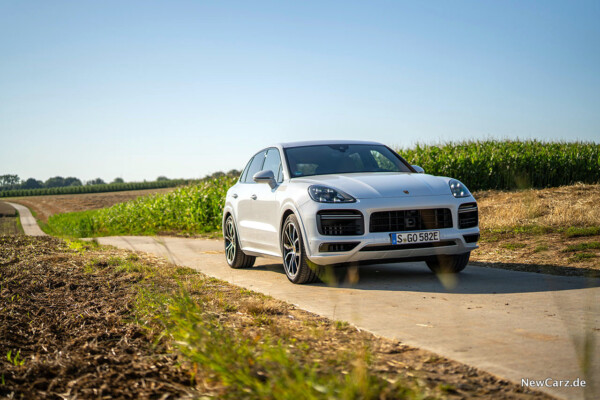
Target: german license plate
(415, 237)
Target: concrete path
(29, 223)
(516, 325)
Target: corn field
(509, 164)
(190, 209)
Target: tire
(298, 268)
(448, 264)
(236, 258)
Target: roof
(324, 142)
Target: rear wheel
(298, 268)
(236, 258)
(448, 264)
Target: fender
(289, 205)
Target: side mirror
(418, 169)
(265, 176)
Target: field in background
(190, 210)
(109, 187)
(508, 164)
(45, 206)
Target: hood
(383, 184)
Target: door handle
(253, 197)
(234, 195)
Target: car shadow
(416, 277)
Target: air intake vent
(337, 247)
(468, 215)
(410, 220)
(340, 222)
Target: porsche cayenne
(319, 203)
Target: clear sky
(138, 89)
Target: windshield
(343, 159)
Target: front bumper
(376, 246)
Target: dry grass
(561, 207)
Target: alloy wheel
(291, 249)
(230, 242)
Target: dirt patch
(7, 210)
(551, 253)
(66, 317)
(45, 206)
(530, 230)
(63, 332)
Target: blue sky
(138, 89)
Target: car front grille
(468, 215)
(340, 222)
(410, 220)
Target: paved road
(514, 324)
(30, 226)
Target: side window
(245, 171)
(273, 163)
(255, 166)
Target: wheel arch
(287, 211)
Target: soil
(45, 206)
(69, 328)
(73, 328)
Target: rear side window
(255, 166)
(273, 163)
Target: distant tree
(32, 183)
(218, 174)
(9, 180)
(71, 181)
(234, 172)
(162, 178)
(57, 181)
(97, 181)
(118, 180)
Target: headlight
(324, 194)
(458, 189)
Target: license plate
(415, 237)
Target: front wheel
(448, 264)
(236, 258)
(298, 268)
